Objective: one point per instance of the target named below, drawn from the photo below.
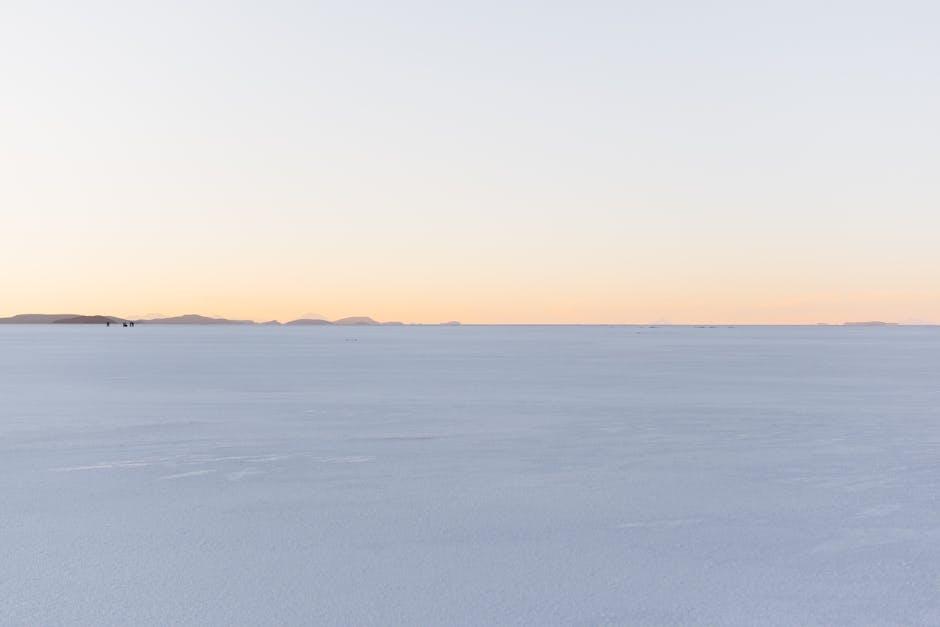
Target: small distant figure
(125, 325)
(132, 323)
(107, 323)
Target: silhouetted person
(107, 323)
(132, 323)
(125, 325)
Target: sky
(544, 162)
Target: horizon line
(200, 319)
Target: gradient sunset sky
(608, 162)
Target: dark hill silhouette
(356, 321)
(307, 322)
(200, 320)
(35, 318)
(87, 320)
(195, 319)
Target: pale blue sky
(591, 161)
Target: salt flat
(469, 475)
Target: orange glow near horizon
(134, 295)
(530, 166)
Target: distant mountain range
(307, 321)
(59, 319)
(88, 320)
(191, 319)
(195, 319)
(36, 318)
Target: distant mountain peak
(88, 320)
(195, 319)
(356, 321)
(35, 318)
(198, 319)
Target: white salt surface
(469, 475)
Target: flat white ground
(470, 475)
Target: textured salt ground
(495, 475)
